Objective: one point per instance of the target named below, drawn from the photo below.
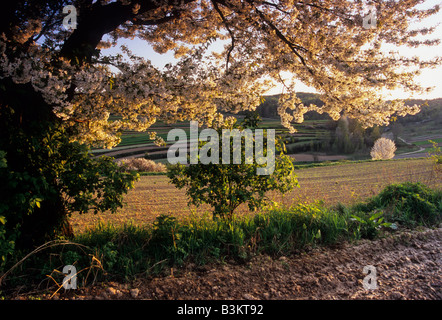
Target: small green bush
(370, 223)
(435, 154)
(225, 186)
(408, 203)
(46, 177)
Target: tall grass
(284, 230)
(131, 251)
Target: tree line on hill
(347, 136)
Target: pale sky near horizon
(428, 77)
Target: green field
(346, 183)
(427, 142)
(137, 143)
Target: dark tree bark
(92, 26)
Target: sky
(428, 77)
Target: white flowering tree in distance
(383, 149)
(59, 89)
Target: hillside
(318, 138)
(431, 109)
(346, 136)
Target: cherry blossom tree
(53, 78)
(383, 149)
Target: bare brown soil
(408, 266)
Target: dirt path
(408, 266)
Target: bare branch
(226, 24)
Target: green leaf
(358, 218)
(318, 234)
(376, 215)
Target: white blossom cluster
(322, 44)
(32, 68)
(383, 149)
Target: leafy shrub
(141, 164)
(436, 156)
(370, 223)
(435, 153)
(226, 186)
(409, 203)
(47, 177)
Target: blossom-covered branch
(322, 44)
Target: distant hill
(431, 110)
